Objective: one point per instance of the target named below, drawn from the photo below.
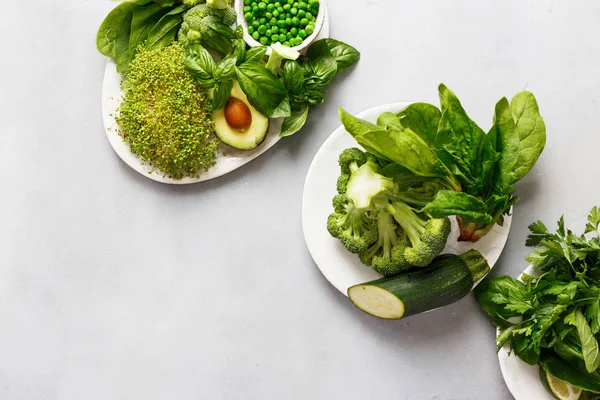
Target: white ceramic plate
(522, 379)
(229, 160)
(341, 268)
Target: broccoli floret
(366, 185)
(427, 236)
(355, 228)
(386, 256)
(199, 22)
(192, 3)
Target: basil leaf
(225, 68)
(294, 122)
(423, 119)
(293, 77)
(165, 30)
(344, 54)
(199, 62)
(122, 44)
(589, 344)
(265, 92)
(532, 132)
(221, 94)
(256, 54)
(321, 62)
(239, 49)
(449, 202)
(283, 110)
(108, 33)
(144, 19)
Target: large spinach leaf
(144, 19)
(110, 29)
(532, 132)
(265, 92)
(469, 207)
(423, 119)
(165, 30)
(505, 140)
(122, 44)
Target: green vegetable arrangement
(471, 172)
(553, 319)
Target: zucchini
(447, 279)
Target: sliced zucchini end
(376, 301)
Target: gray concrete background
(115, 287)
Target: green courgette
(447, 279)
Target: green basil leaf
(344, 54)
(532, 132)
(108, 33)
(293, 76)
(283, 110)
(423, 119)
(198, 61)
(122, 44)
(225, 68)
(165, 30)
(321, 62)
(144, 19)
(589, 344)
(466, 206)
(265, 92)
(221, 94)
(294, 122)
(256, 54)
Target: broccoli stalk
(387, 254)
(279, 53)
(355, 228)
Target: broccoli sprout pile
(378, 218)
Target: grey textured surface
(116, 287)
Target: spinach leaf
(220, 28)
(122, 43)
(217, 43)
(265, 92)
(505, 141)
(144, 19)
(589, 344)
(256, 54)
(108, 34)
(344, 54)
(389, 120)
(356, 126)
(449, 202)
(570, 374)
(423, 119)
(221, 94)
(199, 62)
(321, 62)
(532, 132)
(165, 30)
(294, 122)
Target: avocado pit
(237, 114)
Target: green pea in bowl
(291, 23)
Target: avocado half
(238, 124)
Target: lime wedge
(559, 389)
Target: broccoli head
(202, 24)
(355, 228)
(192, 3)
(366, 185)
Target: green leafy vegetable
(294, 122)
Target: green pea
(262, 29)
(268, 15)
(288, 22)
(298, 41)
(255, 24)
(280, 10)
(281, 23)
(295, 5)
(283, 30)
(270, 8)
(264, 40)
(277, 4)
(274, 37)
(309, 29)
(262, 6)
(254, 9)
(314, 10)
(250, 30)
(303, 22)
(313, 2)
(290, 2)
(247, 9)
(275, 14)
(302, 33)
(286, 7)
(286, 44)
(289, 36)
(249, 17)
(288, 15)
(262, 20)
(256, 35)
(295, 21)
(301, 13)
(268, 26)
(269, 33)
(302, 5)
(310, 16)
(275, 29)
(294, 11)
(294, 31)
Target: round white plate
(342, 268)
(522, 379)
(229, 160)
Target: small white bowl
(319, 20)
